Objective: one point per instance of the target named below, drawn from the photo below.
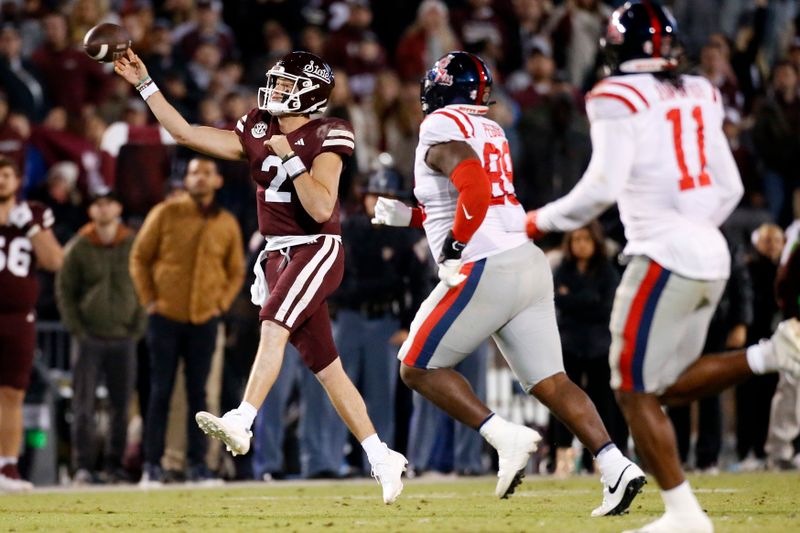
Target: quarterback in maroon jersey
(296, 162)
(26, 242)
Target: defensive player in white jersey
(494, 282)
(659, 152)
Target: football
(106, 42)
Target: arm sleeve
(68, 290)
(474, 195)
(613, 149)
(234, 266)
(143, 255)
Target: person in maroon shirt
(296, 162)
(72, 79)
(26, 242)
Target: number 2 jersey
(19, 285)
(659, 151)
(503, 227)
(280, 212)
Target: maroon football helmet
(299, 84)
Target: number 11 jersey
(659, 151)
(280, 212)
(504, 225)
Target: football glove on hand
(450, 261)
(21, 217)
(450, 272)
(391, 212)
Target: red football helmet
(299, 84)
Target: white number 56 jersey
(504, 225)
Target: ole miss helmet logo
(441, 76)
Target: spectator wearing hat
(98, 306)
(384, 282)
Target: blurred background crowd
(76, 130)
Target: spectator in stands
(187, 264)
(753, 397)
(205, 62)
(480, 28)
(355, 49)
(14, 134)
(727, 331)
(206, 28)
(400, 126)
(59, 192)
(425, 41)
(715, 66)
(777, 139)
(576, 27)
(27, 244)
(585, 283)
(747, 45)
(553, 132)
(526, 33)
(99, 308)
(277, 44)
(313, 39)
(160, 57)
(19, 77)
(73, 80)
(341, 104)
(384, 282)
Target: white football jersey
(659, 151)
(504, 225)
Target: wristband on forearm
(147, 87)
(452, 249)
(293, 165)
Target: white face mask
(281, 95)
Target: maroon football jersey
(279, 209)
(19, 286)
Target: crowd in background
(76, 131)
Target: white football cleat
(12, 485)
(230, 429)
(389, 474)
(786, 346)
(620, 490)
(514, 444)
(678, 523)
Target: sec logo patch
(259, 130)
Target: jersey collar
(469, 109)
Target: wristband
(294, 167)
(147, 88)
(452, 248)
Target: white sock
(757, 357)
(375, 449)
(7, 460)
(609, 459)
(248, 413)
(681, 500)
(491, 426)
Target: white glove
(450, 272)
(391, 212)
(21, 217)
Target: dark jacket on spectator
(94, 288)
(585, 310)
(777, 135)
(72, 78)
(788, 286)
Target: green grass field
(737, 503)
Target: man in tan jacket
(187, 264)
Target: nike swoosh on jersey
(613, 489)
(469, 217)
